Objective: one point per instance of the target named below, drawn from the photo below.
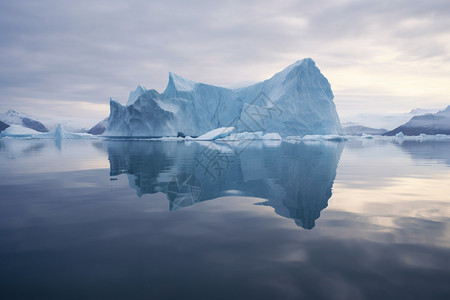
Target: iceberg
(18, 131)
(400, 135)
(216, 134)
(60, 134)
(297, 101)
(272, 136)
(134, 95)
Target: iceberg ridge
(297, 101)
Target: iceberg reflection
(295, 179)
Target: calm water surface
(98, 219)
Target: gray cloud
(65, 51)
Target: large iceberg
(297, 101)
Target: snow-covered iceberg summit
(297, 101)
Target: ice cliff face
(295, 101)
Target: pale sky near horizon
(66, 58)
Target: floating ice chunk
(400, 135)
(423, 137)
(18, 131)
(60, 134)
(216, 134)
(272, 136)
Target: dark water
(169, 220)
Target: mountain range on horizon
(12, 117)
(430, 124)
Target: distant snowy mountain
(423, 111)
(71, 125)
(99, 128)
(388, 121)
(296, 101)
(438, 123)
(45, 124)
(59, 133)
(12, 117)
(3, 126)
(360, 130)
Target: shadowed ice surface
(169, 220)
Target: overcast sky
(66, 58)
